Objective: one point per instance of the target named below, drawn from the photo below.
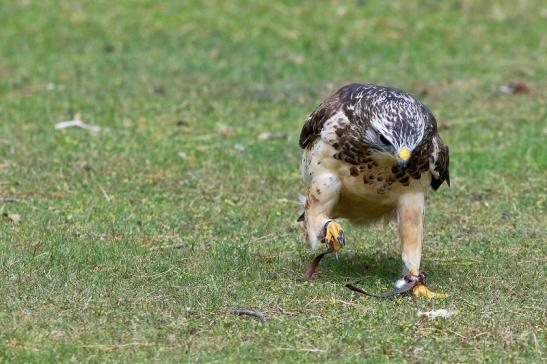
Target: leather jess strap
(411, 282)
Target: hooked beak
(404, 156)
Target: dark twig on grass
(244, 312)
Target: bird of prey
(370, 153)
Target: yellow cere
(404, 154)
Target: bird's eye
(384, 140)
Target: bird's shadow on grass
(366, 266)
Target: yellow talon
(422, 291)
(334, 236)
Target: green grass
(89, 274)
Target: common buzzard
(370, 153)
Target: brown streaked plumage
(370, 153)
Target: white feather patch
(399, 283)
(432, 315)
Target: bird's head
(389, 147)
(397, 134)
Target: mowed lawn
(136, 242)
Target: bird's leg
(410, 212)
(318, 222)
